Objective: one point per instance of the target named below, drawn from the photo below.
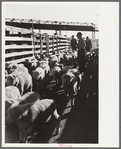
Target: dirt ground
(79, 124)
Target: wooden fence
(23, 43)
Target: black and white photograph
(53, 60)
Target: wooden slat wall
(19, 44)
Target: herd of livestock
(24, 83)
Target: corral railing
(24, 43)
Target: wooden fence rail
(25, 43)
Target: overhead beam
(51, 26)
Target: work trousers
(81, 60)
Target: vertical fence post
(33, 38)
(32, 42)
(57, 42)
(12, 50)
(40, 43)
(93, 34)
(40, 37)
(65, 44)
(47, 44)
(53, 43)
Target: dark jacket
(88, 44)
(73, 43)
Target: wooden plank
(21, 59)
(50, 46)
(59, 48)
(21, 46)
(14, 54)
(10, 38)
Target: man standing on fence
(88, 44)
(73, 43)
(81, 53)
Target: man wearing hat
(88, 44)
(81, 53)
(73, 43)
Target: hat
(79, 33)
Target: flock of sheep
(24, 103)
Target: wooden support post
(40, 43)
(33, 38)
(93, 34)
(47, 44)
(53, 43)
(57, 42)
(55, 32)
(32, 41)
(66, 44)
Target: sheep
(11, 94)
(38, 114)
(19, 70)
(59, 65)
(52, 60)
(56, 73)
(22, 81)
(13, 112)
(44, 65)
(30, 65)
(30, 116)
(11, 66)
(38, 78)
(78, 76)
(65, 69)
(70, 86)
(60, 57)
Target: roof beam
(51, 26)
